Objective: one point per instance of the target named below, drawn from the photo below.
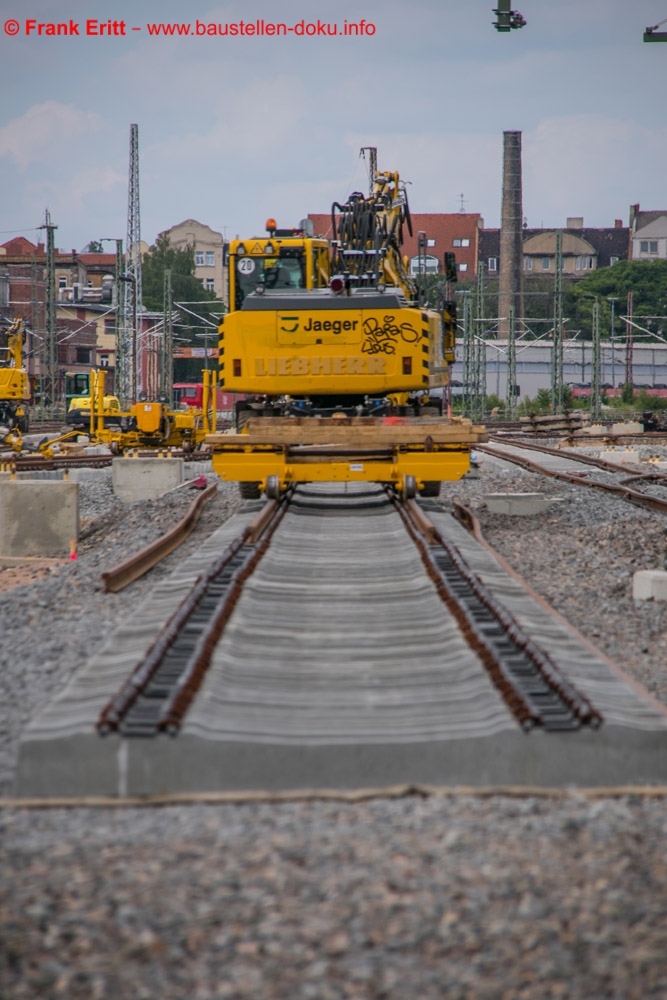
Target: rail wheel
(272, 488)
(409, 487)
(431, 488)
(250, 491)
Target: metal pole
(613, 360)
(468, 357)
(167, 365)
(135, 366)
(557, 351)
(138, 374)
(121, 352)
(421, 263)
(595, 374)
(511, 364)
(372, 165)
(480, 366)
(629, 374)
(50, 349)
(118, 319)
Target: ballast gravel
(51, 626)
(465, 896)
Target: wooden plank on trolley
(351, 436)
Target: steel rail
(131, 569)
(600, 463)
(532, 685)
(160, 690)
(633, 496)
(30, 463)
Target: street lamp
(610, 298)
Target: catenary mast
(133, 373)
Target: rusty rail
(30, 463)
(131, 569)
(160, 690)
(600, 463)
(532, 686)
(633, 496)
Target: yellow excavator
(338, 359)
(14, 380)
(150, 424)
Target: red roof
(98, 258)
(19, 245)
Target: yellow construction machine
(14, 380)
(339, 363)
(150, 425)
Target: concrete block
(594, 430)
(198, 468)
(145, 478)
(650, 584)
(627, 427)
(38, 518)
(521, 504)
(627, 457)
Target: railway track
(617, 481)
(9, 461)
(341, 638)
(157, 695)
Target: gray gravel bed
(461, 897)
(581, 556)
(50, 627)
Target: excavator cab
(286, 260)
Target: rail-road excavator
(338, 359)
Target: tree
(647, 279)
(186, 288)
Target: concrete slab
(138, 478)
(111, 766)
(594, 430)
(38, 518)
(649, 585)
(625, 457)
(55, 475)
(519, 504)
(313, 708)
(627, 427)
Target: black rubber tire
(242, 414)
(250, 491)
(431, 488)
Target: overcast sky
(235, 129)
